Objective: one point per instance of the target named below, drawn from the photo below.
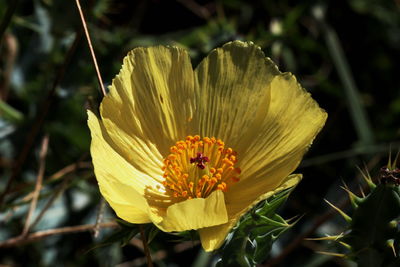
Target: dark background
(346, 53)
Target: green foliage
(251, 239)
(125, 232)
(122, 235)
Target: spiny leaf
(251, 239)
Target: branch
(39, 180)
(12, 242)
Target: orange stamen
(198, 166)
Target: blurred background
(346, 53)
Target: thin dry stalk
(100, 80)
(70, 168)
(103, 90)
(16, 241)
(57, 175)
(56, 194)
(100, 215)
(39, 181)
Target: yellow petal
(233, 91)
(195, 213)
(292, 122)
(119, 181)
(147, 107)
(213, 237)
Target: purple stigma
(200, 160)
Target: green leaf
(123, 235)
(152, 233)
(251, 239)
(10, 113)
(123, 223)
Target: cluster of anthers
(196, 167)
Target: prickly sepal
(374, 237)
(374, 233)
(251, 239)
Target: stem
(145, 246)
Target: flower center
(196, 167)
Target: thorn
(341, 255)
(354, 199)
(367, 177)
(396, 159)
(329, 237)
(292, 221)
(390, 244)
(361, 191)
(345, 245)
(389, 165)
(393, 224)
(344, 215)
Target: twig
(10, 55)
(42, 234)
(7, 18)
(55, 176)
(39, 180)
(91, 48)
(56, 194)
(145, 246)
(37, 125)
(70, 168)
(59, 190)
(99, 218)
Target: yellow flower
(188, 149)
